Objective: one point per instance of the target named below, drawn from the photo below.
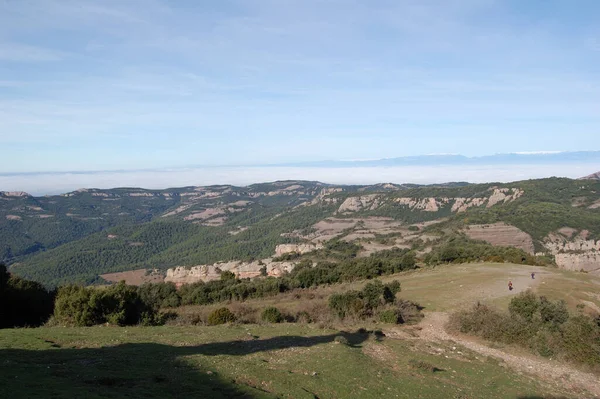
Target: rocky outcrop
(593, 176)
(588, 262)
(297, 248)
(188, 275)
(364, 202)
(424, 204)
(503, 195)
(462, 204)
(433, 204)
(595, 205)
(15, 194)
(574, 253)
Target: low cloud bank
(55, 183)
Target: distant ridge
(520, 158)
(593, 176)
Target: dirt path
(563, 376)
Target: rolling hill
(78, 236)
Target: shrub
(160, 295)
(581, 340)
(271, 315)
(227, 275)
(542, 325)
(524, 305)
(221, 316)
(23, 302)
(410, 312)
(349, 303)
(553, 313)
(303, 317)
(390, 316)
(119, 304)
(372, 293)
(390, 290)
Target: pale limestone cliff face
(297, 248)
(188, 275)
(364, 202)
(141, 194)
(574, 253)
(504, 195)
(462, 204)
(425, 204)
(589, 262)
(14, 194)
(595, 205)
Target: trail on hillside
(432, 329)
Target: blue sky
(127, 84)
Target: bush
(410, 312)
(542, 325)
(271, 315)
(390, 290)
(524, 305)
(160, 295)
(372, 293)
(119, 304)
(349, 303)
(553, 314)
(390, 316)
(23, 303)
(221, 316)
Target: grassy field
(448, 288)
(290, 361)
(287, 360)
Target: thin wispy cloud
(153, 83)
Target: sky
(129, 84)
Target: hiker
(532, 275)
(510, 287)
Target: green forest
(88, 233)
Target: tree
(227, 275)
(372, 293)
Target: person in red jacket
(510, 287)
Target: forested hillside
(81, 235)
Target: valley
(192, 233)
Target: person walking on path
(510, 286)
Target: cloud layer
(55, 183)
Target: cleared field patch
(134, 277)
(501, 234)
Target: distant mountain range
(593, 176)
(522, 158)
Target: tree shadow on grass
(140, 370)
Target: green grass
(289, 361)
